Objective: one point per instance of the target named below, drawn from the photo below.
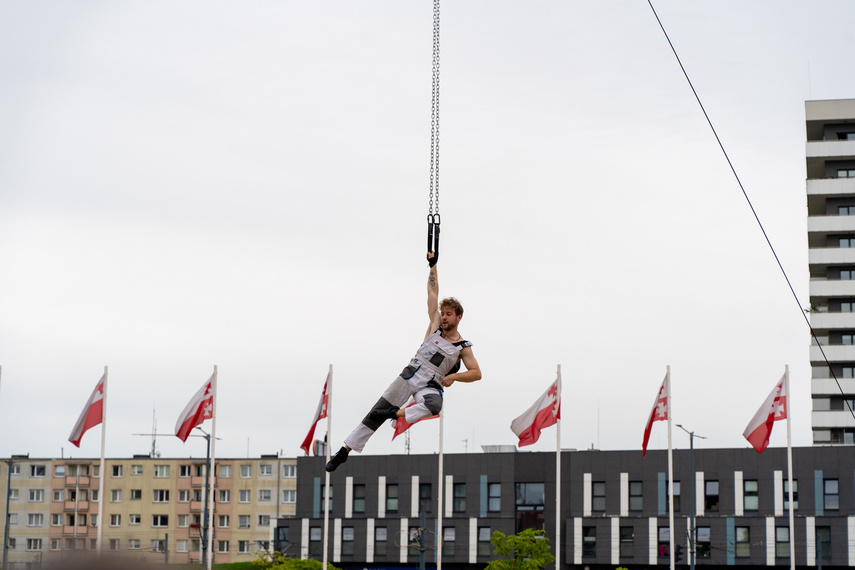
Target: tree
(278, 561)
(528, 550)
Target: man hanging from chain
(435, 367)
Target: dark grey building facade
(613, 508)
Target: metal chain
(433, 206)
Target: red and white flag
(320, 414)
(661, 408)
(92, 415)
(403, 425)
(200, 408)
(544, 413)
(773, 409)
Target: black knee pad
(382, 404)
(433, 402)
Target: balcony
(200, 481)
(82, 481)
(832, 419)
(69, 530)
(832, 288)
(830, 149)
(826, 386)
(830, 186)
(76, 506)
(831, 256)
(196, 506)
(834, 353)
(831, 224)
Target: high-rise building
(830, 154)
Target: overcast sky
(245, 184)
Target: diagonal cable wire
(753, 211)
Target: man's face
(450, 319)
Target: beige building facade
(151, 507)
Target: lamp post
(693, 507)
(205, 529)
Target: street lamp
(693, 507)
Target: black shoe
(390, 413)
(337, 459)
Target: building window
(184, 471)
(263, 495)
(58, 496)
(115, 544)
(391, 498)
(750, 497)
(37, 471)
(589, 542)
(458, 503)
(485, 548)
(245, 496)
(265, 469)
(243, 521)
(136, 494)
(846, 173)
(55, 544)
(494, 497)
(703, 545)
(59, 471)
(263, 520)
(782, 542)
(347, 541)
(160, 520)
(529, 506)
(598, 496)
(161, 496)
(635, 496)
(424, 497)
(56, 519)
(117, 470)
(224, 496)
(663, 542)
(676, 497)
(181, 545)
(246, 471)
(134, 519)
(243, 547)
(823, 542)
(830, 495)
(136, 470)
(380, 541)
(627, 537)
(161, 471)
(787, 495)
(358, 498)
(115, 495)
(315, 546)
(183, 521)
(115, 520)
(35, 519)
(16, 469)
(37, 495)
(847, 274)
(711, 496)
(223, 521)
(34, 544)
(324, 495)
(415, 541)
(222, 546)
(449, 537)
(225, 471)
(290, 496)
(289, 471)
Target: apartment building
(153, 507)
(830, 155)
(613, 508)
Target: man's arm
(473, 371)
(432, 300)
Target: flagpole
(670, 471)
(327, 478)
(210, 537)
(558, 480)
(102, 465)
(439, 494)
(790, 467)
